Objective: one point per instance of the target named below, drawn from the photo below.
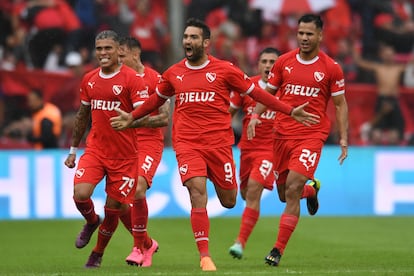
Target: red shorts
(217, 164)
(149, 156)
(121, 175)
(258, 166)
(301, 156)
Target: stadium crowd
(48, 45)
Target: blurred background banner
(373, 181)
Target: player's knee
(229, 202)
(82, 192)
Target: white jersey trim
(248, 90)
(189, 66)
(232, 105)
(161, 95)
(85, 103)
(306, 62)
(262, 84)
(138, 103)
(105, 76)
(273, 87)
(338, 93)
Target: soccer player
(151, 145)
(302, 75)
(256, 155)
(108, 153)
(202, 132)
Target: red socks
(125, 218)
(308, 191)
(248, 222)
(107, 229)
(200, 224)
(287, 225)
(139, 223)
(87, 210)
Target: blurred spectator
(68, 97)
(367, 10)
(43, 129)
(344, 56)
(387, 125)
(228, 44)
(408, 79)
(149, 26)
(52, 23)
(396, 27)
(338, 26)
(202, 8)
(267, 37)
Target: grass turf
(319, 246)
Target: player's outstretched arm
(122, 121)
(298, 113)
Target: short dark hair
(108, 34)
(130, 42)
(309, 17)
(270, 50)
(194, 22)
(37, 92)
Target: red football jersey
(123, 89)
(264, 138)
(201, 118)
(151, 79)
(300, 81)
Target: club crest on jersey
(211, 76)
(184, 169)
(117, 89)
(79, 173)
(318, 76)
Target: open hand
(122, 121)
(251, 128)
(306, 118)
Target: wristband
(73, 150)
(254, 116)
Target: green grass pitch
(319, 246)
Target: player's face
(309, 38)
(266, 62)
(126, 56)
(194, 44)
(106, 52)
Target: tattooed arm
(159, 120)
(79, 128)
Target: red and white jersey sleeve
(104, 93)
(151, 79)
(201, 118)
(263, 139)
(300, 81)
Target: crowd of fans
(57, 36)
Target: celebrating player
(202, 133)
(302, 75)
(108, 153)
